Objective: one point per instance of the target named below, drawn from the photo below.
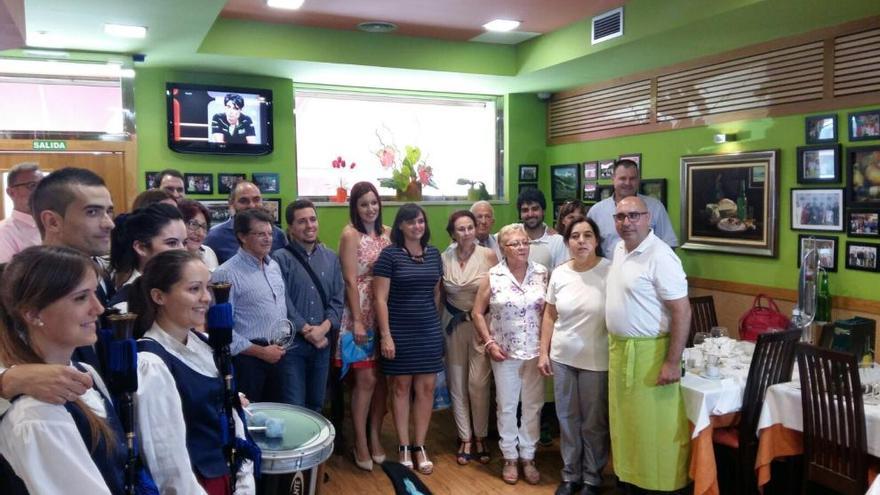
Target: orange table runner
(703, 469)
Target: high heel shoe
(378, 459)
(405, 459)
(463, 456)
(426, 466)
(362, 465)
(482, 453)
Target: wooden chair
(702, 316)
(772, 363)
(835, 445)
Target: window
(458, 138)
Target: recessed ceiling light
(377, 26)
(124, 31)
(285, 4)
(501, 25)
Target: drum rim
(309, 456)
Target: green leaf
(413, 154)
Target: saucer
(713, 378)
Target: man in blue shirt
(315, 297)
(221, 238)
(259, 303)
(626, 184)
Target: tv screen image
(216, 119)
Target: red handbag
(761, 319)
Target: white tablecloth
(704, 397)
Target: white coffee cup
(713, 371)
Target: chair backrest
(702, 316)
(772, 363)
(835, 445)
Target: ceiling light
(33, 67)
(501, 25)
(285, 4)
(723, 138)
(377, 26)
(123, 31)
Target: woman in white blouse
(514, 296)
(574, 350)
(48, 309)
(181, 433)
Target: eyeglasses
(633, 216)
(261, 235)
(196, 225)
(516, 244)
(29, 185)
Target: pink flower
(352, 164)
(425, 174)
(386, 157)
(338, 162)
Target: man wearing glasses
(20, 231)
(647, 313)
(221, 238)
(626, 184)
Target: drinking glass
(700, 338)
(716, 332)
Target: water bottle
(823, 299)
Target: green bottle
(823, 299)
(741, 202)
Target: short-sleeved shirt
(548, 250)
(515, 309)
(602, 212)
(17, 232)
(638, 284)
(233, 134)
(579, 339)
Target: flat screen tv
(219, 119)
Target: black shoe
(568, 488)
(546, 438)
(590, 490)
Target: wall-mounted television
(219, 119)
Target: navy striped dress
(412, 311)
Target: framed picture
(151, 180)
(218, 208)
(655, 188)
(862, 223)
(826, 246)
(591, 191)
(525, 185)
(817, 209)
(756, 177)
(818, 164)
(273, 206)
(636, 157)
(564, 182)
(861, 256)
(606, 168)
(591, 171)
(864, 126)
(199, 183)
(528, 172)
(605, 191)
(556, 207)
(821, 128)
(225, 182)
(720, 211)
(863, 177)
(267, 183)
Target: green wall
(660, 159)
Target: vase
(341, 195)
(413, 192)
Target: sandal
(530, 471)
(482, 452)
(510, 471)
(404, 458)
(426, 466)
(463, 456)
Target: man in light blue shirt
(314, 309)
(626, 184)
(259, 304)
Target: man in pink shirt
(19, 230)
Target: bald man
(221, 238)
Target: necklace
(418, 258)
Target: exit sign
(43, 144)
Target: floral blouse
(515, 309)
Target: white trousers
(467, 375)
(518, 381)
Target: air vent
(608, 25)
(377, 26)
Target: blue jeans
(306, 373)
(264, 382)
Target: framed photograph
(861, 256)
(864, 126)
(565, 182)
(525, 185)
(199, 183)
(817, 209)
(636, 157)
(591, 191)
(225, 182)
(721, 212)
(556, 206)
(604, 191)
(821, 128)
(151, 180)
(273, 206)
(818, 164)
(862, 223)
(863, 177)
(606, 168)
(826, 246)
(267, 183)
(528, 172)
(656, 188)
(591, 171)
(219, 209)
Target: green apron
(650, 440)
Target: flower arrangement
(341, 190)
(409, 171)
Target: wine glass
(284, 334)
(716, 332)
(700, 338)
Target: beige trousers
(467, 375)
